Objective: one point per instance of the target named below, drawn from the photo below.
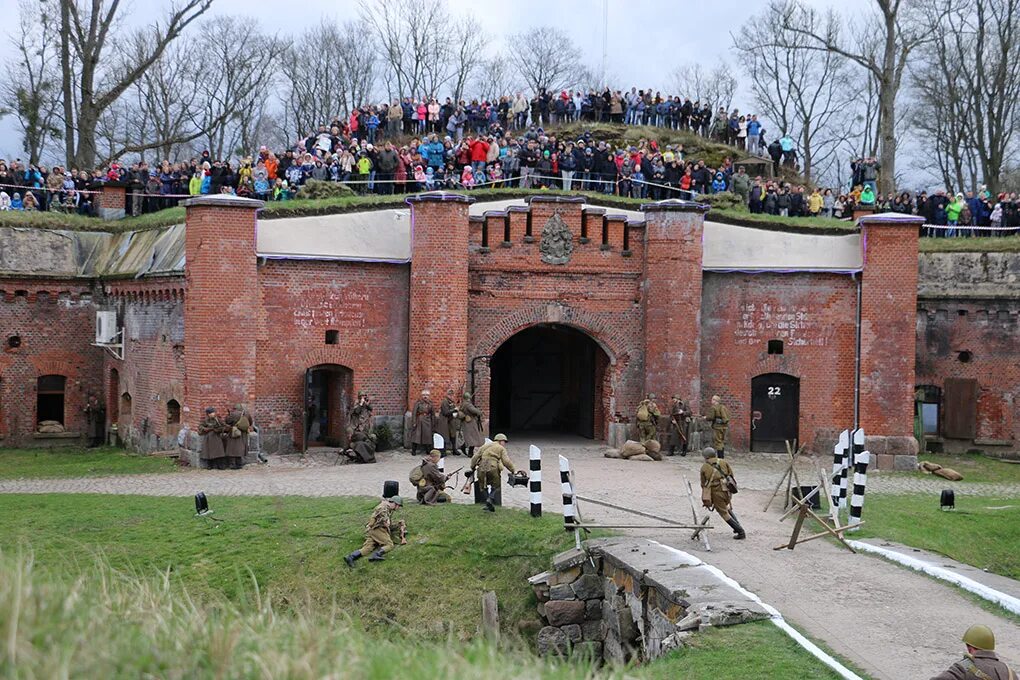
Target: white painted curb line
(1007, 602)
(774, 614)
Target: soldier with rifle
(430, 481)
(648, 418)
(487, 463)
(679, 420)
(378, 532)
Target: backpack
(416, 475)
(642, 412)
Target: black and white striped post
(535, 480)
(569, 511)
(839, 461)
(861, 460)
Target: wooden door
(959, 412)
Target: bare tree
(495, 78)
(338, 79)
(902, 30)
(545, 58)
(166, 92)
(803, 91)
(411, 42)
(465, 54)
(715, 88)
(31, 91)
(90, 82)
(233, 81)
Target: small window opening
(332, 337)
(775, 346)
(14, 341)
(50, 399)
(961, 312)
(964, 357)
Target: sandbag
(929, 467)
(652, 446)
(642, 457)
(946, 473)
(55, 428)
(654, 455)
(612, 453)
(631, 448)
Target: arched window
(50, 399)
(125, 412)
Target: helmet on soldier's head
(499, 438)
(396, 500)
(467, 395)
(651, 395)
(708, 452)
(980, 636)
(677, 397)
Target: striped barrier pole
(535, 480)
(569, 512)
(838, 458)
(861, 460)
(856, 447)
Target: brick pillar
(862, 211)
(888, 335)
(437, 336)
(220, 304)
(111, 200)
(672, 299)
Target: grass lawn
(77, 462)
(268, 598)
(982, 531)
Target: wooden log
(586, 499)
(699, 527)
(490, 616)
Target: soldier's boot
(721, 453)
(683, 453)
(377, 556)
(738, 531)
(672, 451)
(489, 501)
(356, 555)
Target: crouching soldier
(431, 482)
(981, 661)
(378, 538)
(487, 464)
(717, 489)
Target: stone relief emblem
(557, 241)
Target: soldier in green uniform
(648, 418)
(716, 493)
(487, 464)
(360, 420)
(378, 538)
(719, 418)
(980, 662)
(211, 431)
(432, 484)
(679, 421)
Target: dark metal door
(775, 411)
(960, 412)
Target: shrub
(318, 189)
(384, 437)
(724, 200)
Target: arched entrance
(327, 402)
(549, 378)
(775, 407)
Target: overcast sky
(647, 38)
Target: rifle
(468, 477)
(455, 472)
(679, 430)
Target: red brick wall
(56, 323)
(437, 336)
(300, 301)
(813, 314)
(220, 306)
(990, 331)
(888, 320)
(151, 311)
(672, 299)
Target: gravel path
(891, 622)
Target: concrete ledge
(56, 435)
(438, 196)
(223, 201)
(554, 199)
(674, 205)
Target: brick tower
(437, 335)
(220, 304)
(672, 297)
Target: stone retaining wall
(624, 599)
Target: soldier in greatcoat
(211, 431)
(360, 421)
(679, 425)
(471, 425)
(95, 418)
(718, 417)
(423, 419)
(448, 424)
(237, 425)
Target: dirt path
(891, 622)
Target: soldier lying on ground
(378, 538)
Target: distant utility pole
(605, 40)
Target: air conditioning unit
(106, 328)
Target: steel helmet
(980, 636)
(499, 438)
(396, 500)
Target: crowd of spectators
(422, 145)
